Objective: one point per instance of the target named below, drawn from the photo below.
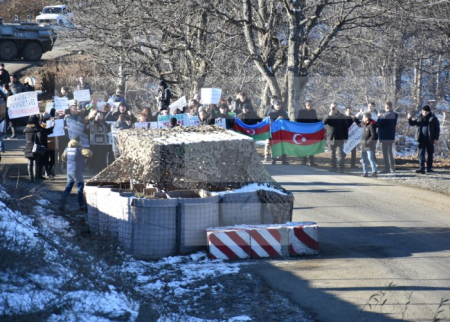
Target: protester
(205, 118)
(242, 100)
(28, 85)
(83, 85)
(368, 141)
(336, 136)
(3, 123)
(173, 122)
(122, 109)
(4, 75)
(15, 85)
(33, 135)
(387, 123)
(66, 93)
(427, 134)
(75, 156)
(349, 118)
(122, 123)
(11, 122)
(371, 109)
(51, 148)
(248, 116)
(224, 114)
(278, 113)
(43, 164)
(307, 115)
(164, 94)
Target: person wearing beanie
(427, 134)
(33, 135)
(164, 94)
(75, 156)
(248, 115)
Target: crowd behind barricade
(102, 125)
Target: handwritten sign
(354, 136)
(211, 95)
(193, 120)
(82, 96)
(178, 104)
(141, 125)
(23, 104)
(58, 130)
(77, 129)
(222, 122)
(61, 103)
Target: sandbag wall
(155, 228)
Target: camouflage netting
(202, 157)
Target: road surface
(372, 234)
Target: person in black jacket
(278, 113)
(33, 135)
(308, 115)
(204, 117)
(387, 123)
(240, 101)
(223, 114)
(337, 135)
(427, 134)
(164, 94)
(248, 116)
(368, 141)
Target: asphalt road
(372, 234)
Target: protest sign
(141, 125)
(77, 129)
(163, 120)
(61, 103)
(82, 96)
(221, 122)
(153, 125)
(23, 104)
(193, 120)
(211, 95)
(58, 130)
(354, 136)
(99, 133)
(178, 104)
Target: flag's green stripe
(297, 150)
(262, 136)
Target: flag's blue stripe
(295, 127)
(255, 126)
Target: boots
(38, 172)
(31, 173)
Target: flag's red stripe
(264, 244)
(261, 130)
(302, 139)
(305, 239)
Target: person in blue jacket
(75, 156)
(386, 124)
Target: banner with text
(23, 104)
(354, 136)
(82, 96)
(58, 130)
(164, 120)
(61, 103)
(77, 129)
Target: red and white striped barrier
(303, 238)
(262, 241)
(228, 243)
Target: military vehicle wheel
(8, 50)
(32, 51)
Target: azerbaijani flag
(297, 139)
(257, 132)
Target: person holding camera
(337, 135)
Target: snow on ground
(252, 187)
(60, 282)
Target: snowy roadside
(45, 275)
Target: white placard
(77, 129)
(23, 104)
(49, 106)
(100, 105)
(58, 130)
(178, 104)
(141, 125)
(153, 125)
(222, 122)
(193, 120)
(61, 103)
(211, 95)
(82, 96)
(354, 137)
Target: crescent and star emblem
(295, 139)
(251, 132)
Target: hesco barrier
(240, 208)
(91, 201)
(197, 211)
(154, 228)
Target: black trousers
(337, 154)
(428, 148)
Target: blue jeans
(368, 156)
(71, 180)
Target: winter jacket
(274, 114)
(164, 97)
(4, 78)
(369, 137)
(239, 104)
(16, 87)
(208, 121)
(433, 127)
(251, 118)
(386, 126)
(307, 116)
(76, 156)
(33, 134)
(336, 128)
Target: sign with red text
(23, 104)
